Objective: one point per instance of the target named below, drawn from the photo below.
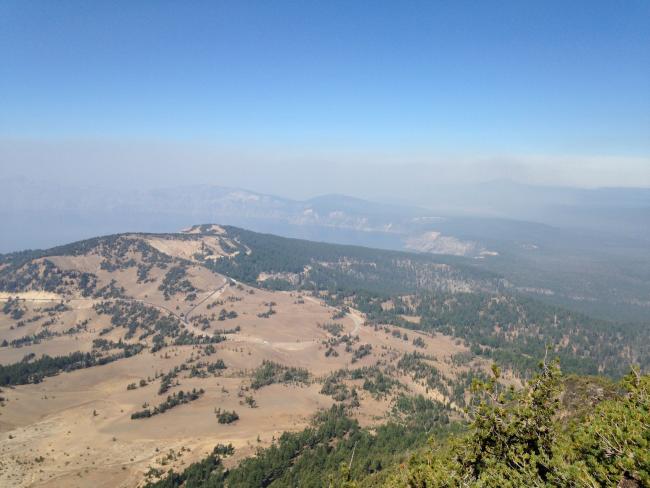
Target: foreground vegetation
(539, 436)
(517, 440)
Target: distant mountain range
(584, 249)
(41, 215)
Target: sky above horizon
(544, 92)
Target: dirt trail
(215, 294)
(358, 319)
(356, 316)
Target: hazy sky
(543, 92)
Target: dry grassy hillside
(183, 347)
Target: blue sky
(473, 78)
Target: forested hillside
(445, 296)
(297, 363)
(452, 299)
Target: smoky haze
(404, 176)
(542, 237)
(57, 191)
